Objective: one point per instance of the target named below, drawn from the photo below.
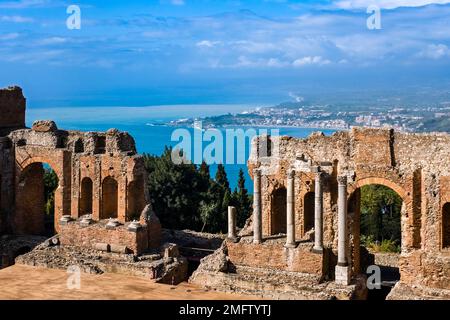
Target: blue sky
(134, 53)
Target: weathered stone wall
(6, 181)
(99, 174)
(416, 166)
(74, 234)
(273, 255)
(12, 108)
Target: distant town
(328, 116)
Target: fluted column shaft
(290, 210)
(342, 221)
(231, 222)
(318, 213)
(257, 208)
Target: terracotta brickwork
(99, 174)
(416, 166)
(75, 234)
(275, 256)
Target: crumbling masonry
(101, 201)
(306, 219)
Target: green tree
(50, 185)
(242, 200)
(176, 191)
(185, 196)
(380, 214)
(221, 177)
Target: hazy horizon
(220, 52)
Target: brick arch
(355, 231)
(380, 181)
(29, 215)
(54, 164)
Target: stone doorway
(86, 197)
(110, 199)
(375, 213)
(308, 212)
(35, 200)
(278, 212)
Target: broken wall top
(12, 109)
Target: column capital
(315, 169)
(342, 180)
(291, 174)
(257, 172)
(319, 175)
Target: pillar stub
(112, 224)
(86, 221)
(134, 226)
(65, 220)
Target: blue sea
(150, 138)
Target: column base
(318, 250)
(342, 275)
(233, 239)
(290, 245)
(257, 241)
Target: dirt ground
(21, 282)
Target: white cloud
(316, 60)
(15, 19)
(9, 36)
(207, 43)
(385, 4)
(177, 2)
(23, 4)
(52, 40)
(435, 51)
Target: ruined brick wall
(77, 157)
(273, 255)
(6, 181)
(12, 108)
(74, 234)
(85, 163)
(416, 166)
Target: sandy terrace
(32, 283)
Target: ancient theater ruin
(102, 218)
(303, 240)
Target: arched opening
(79, 146)
(308, 211)
(135, 198)
(109, 198)
(85, 206)
(278, 212)
(446, 225)
(375, 220)
(35, 200)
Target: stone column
(290, 210)
(342, 274)
(257, 208)
(318, 213)
(232, 223)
